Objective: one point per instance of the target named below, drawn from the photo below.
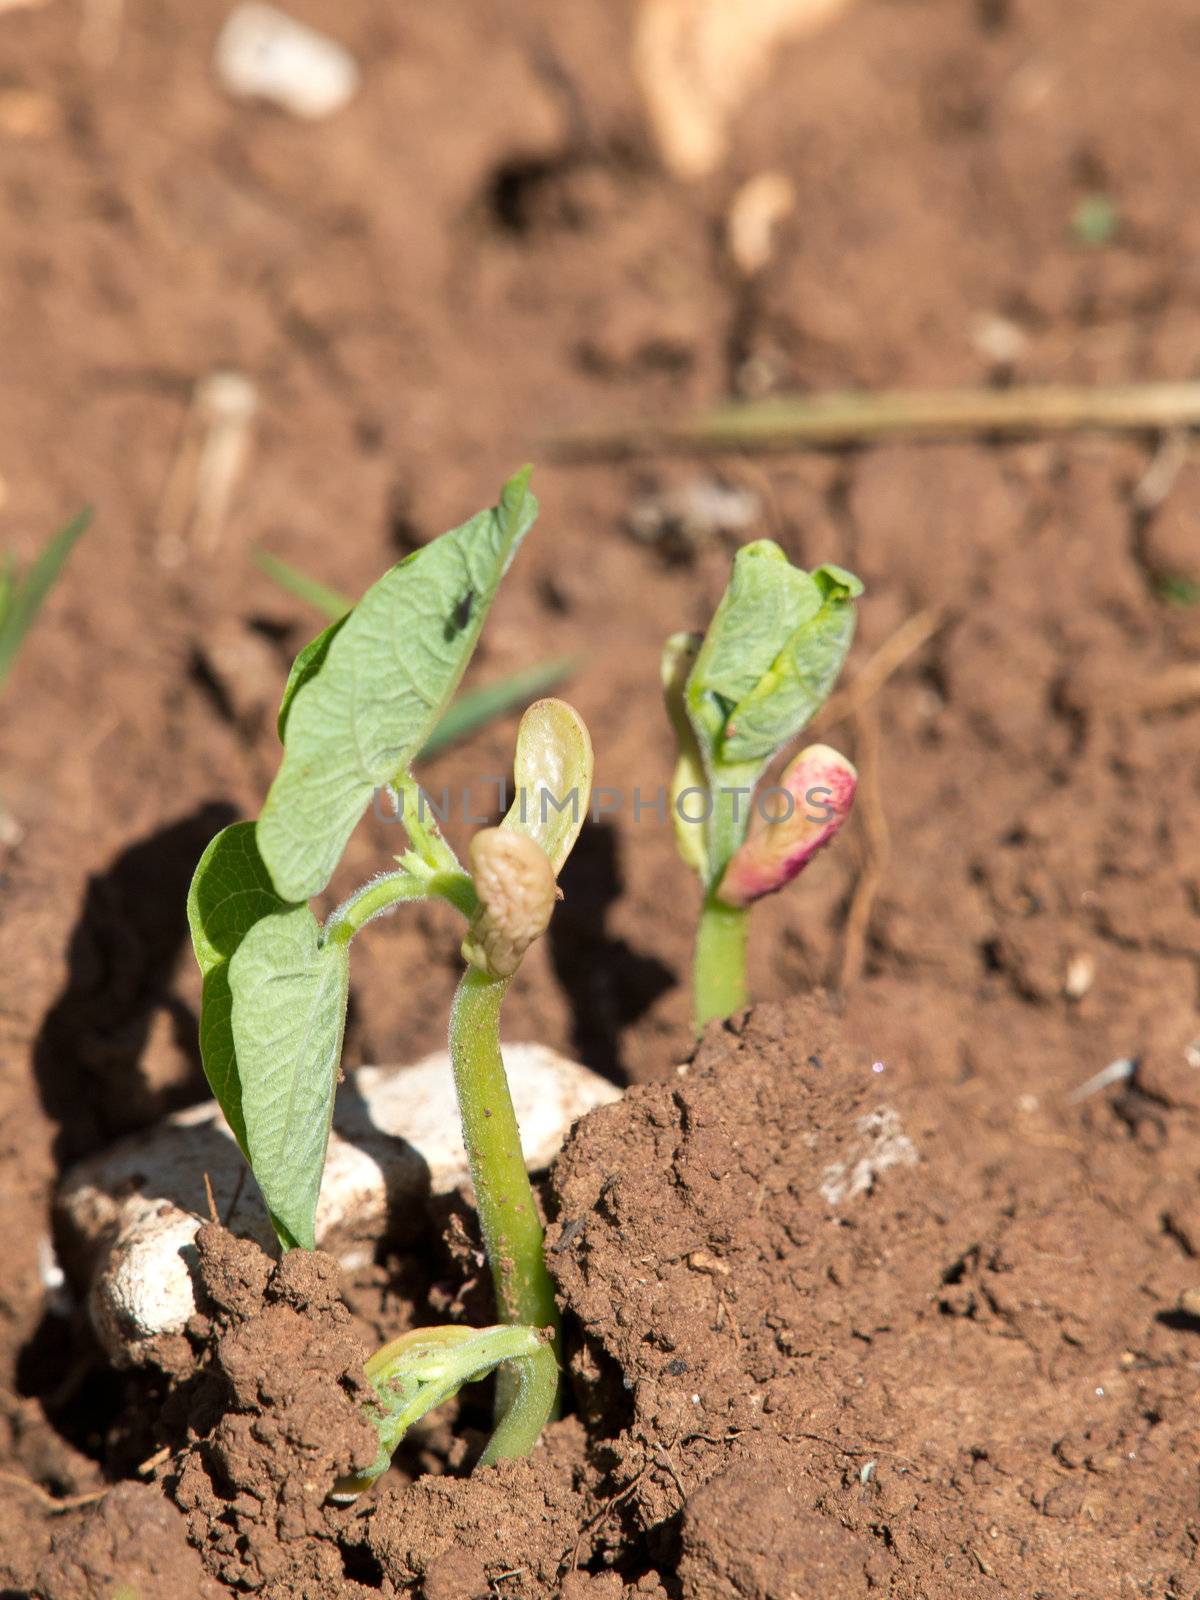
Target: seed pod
(818, 786)
(514, 879)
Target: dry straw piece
(697, 61)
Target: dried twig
(1159, 477)
(869, 805)
(602, 1515)
(889, 658)
(152, 1463)
(793, 422)
(70, 1502)
(1174, 687)
(208, 461)
(237, 1194)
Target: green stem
(719, 972)
(426, 836)
(719, 967)
(532, 1399)
(427, 1366)
(508, 1216)
(382, 893)
(372, 900)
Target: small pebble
(263, 54)
(128, 1217)
(999, 340)
(681, 519)
(758, 208)
(1081, 974)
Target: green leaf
(799, 681)
(23, 599)
(363, 710)
(231, 891)
(766, 600)
(289, 1013)
(306, 665)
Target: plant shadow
(89, 1056)
(608, 983)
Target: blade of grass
(327, 601)
(25, 597)
(478, 707)
(474, 709)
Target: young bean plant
(359, 706)
(736, 696)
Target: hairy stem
(719, 971)
(508, 1216)
(372, 900)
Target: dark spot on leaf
(461, 614)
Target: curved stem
(719, 971)
(372, 900)
(427, 1366)
(508, 1216)
(413, 882)
(532, 1400)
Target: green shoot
(736, 697)
(421, 1369)
(1177, 591)
(360, 705)
(1095, 219)
(22, 596)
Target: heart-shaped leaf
(368, 692)
(289, 1012)
(231, 891)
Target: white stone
(879, 1142)
(263, 54)
(129, 1215)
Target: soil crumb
(131, 1544)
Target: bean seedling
(359, 706)
(736, 696)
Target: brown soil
(484, 247)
